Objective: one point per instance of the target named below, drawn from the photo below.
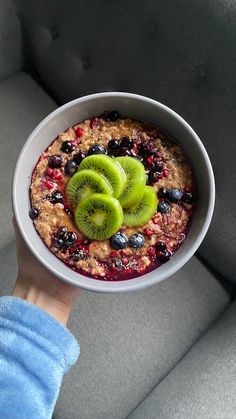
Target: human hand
(39, 286)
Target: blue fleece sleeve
(35, 352)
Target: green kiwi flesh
(141, 212)
(84, 183)
(106, 166)
(99, 216)
(135, 181)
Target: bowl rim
(130, 284)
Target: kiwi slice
(99, 216)
(84, 183)
(141, 212)
(106, 166)
(135, 181)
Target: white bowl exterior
(138, 107)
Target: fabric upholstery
(10, 40)
(179, 52)
(22, 106)
(202, 386)
(129, 342)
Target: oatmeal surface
(167, 169)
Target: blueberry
(97, 149)
(70, 238)
(160, 246)
(163, 207)
(113, 116)
(79, 156)
(127, 143)
(33, 213)
(119, 241)
(58, 242)
(163, 193)
(175, 195)
(114, 144)
(136, 241)
(164, 255)
(78, 255)
(66, 147)
(55, 161)
(187, 197)
(56, 197)
(70, 167)
(61, 232)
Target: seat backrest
(10, 40)
(180, 52)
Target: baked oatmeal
(112, 197)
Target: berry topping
(114, 144)
(163, 207)
(80, 254)
(136, 241)
(62, 231)
(151, 251)
(165, 172)
(118, 264)
(146, 148)
(188, 188)
(79, 156)
(160, 246)
(70, 238)
(93, 123)
(125, 152)
(126, 143)
(58, 242)
(175, 195)
(55, 161)
(57, 175)
(63, 238)
(187, 197)
(47, 184)
(163, 193)
(154, 176)
(113, 116)
(148, 233)
(158, 166)
(49, 172)
(79, 131)
(33, 213)
(119, 241)
(164, 255)
(70, 167)
(97, 149)
(113, 254)
(66, 147)
(149, 160)
(56, 197)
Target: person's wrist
(43, 298)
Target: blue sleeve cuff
(25, 319)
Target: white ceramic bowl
(138, 107)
